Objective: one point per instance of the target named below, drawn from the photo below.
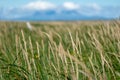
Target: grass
(60, 51)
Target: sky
(59, 9)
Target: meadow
(87, 50)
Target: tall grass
(66, 51)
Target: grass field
(88, 50)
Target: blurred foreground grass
(60, 51)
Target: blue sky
(18, 3)
(54, 9)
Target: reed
(67, 51)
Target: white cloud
(94, 6)
(40, 5)
(70, 6)
(91, 9)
